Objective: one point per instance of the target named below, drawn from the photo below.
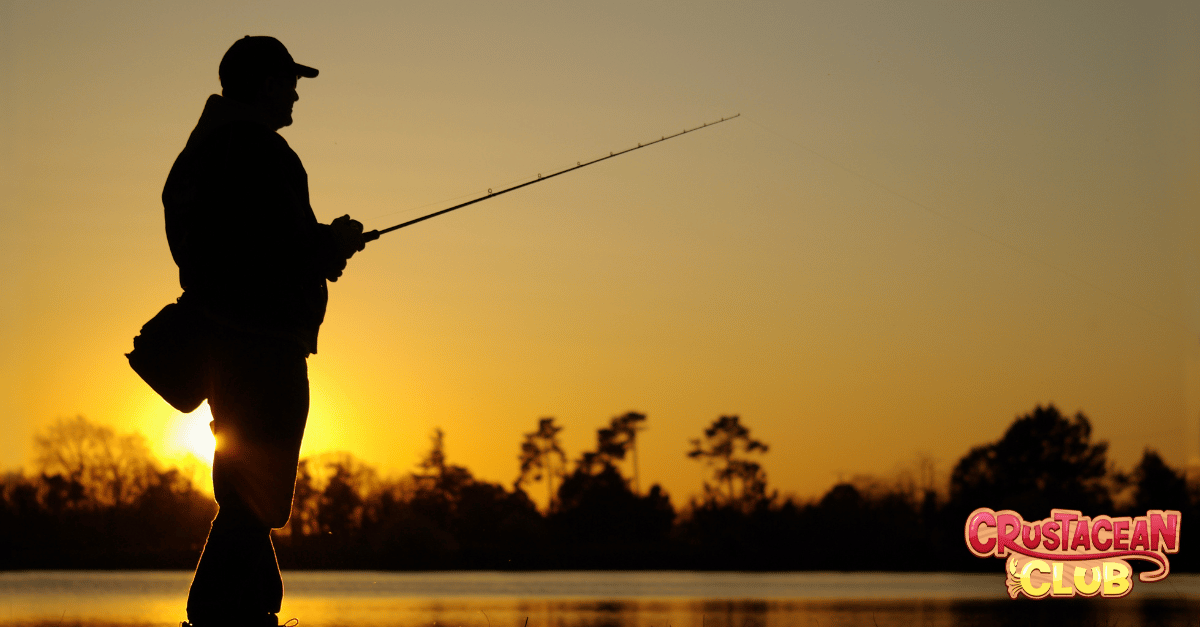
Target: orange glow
(189, 434)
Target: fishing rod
(370, 236)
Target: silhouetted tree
(434, 462)
(467, 521)
(89, 507)
(340, 510)
(725, 446)
(1158, 486)
(95, 464)
(537, 458)
(328, 508)
(60, 494)
(440, 486)
(1044, 461)
(496, 528)
(445, 480)
(100, 501)
(168, 522)
(620, 439)
(603, 522)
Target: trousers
(258, 394)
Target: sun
(191, 433)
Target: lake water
(596, 599)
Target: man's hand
(347, 239)
(347, 236)
(335, 271)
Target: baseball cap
(259, 56)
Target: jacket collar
(219, 111)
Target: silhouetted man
(254, 261)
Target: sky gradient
(930, 218)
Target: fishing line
(374, 235)
(443, 201)
(999, 242)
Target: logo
(1068, 553)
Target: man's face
(276, 100)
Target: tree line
(99, 500)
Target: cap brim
(305, 71)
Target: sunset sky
(930, 218)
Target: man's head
(260, 72)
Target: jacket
(250, 251)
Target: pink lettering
(1050, 535)
(1097, 525)
(980, 517)
(1121, 534)
(1081, 538)
(1141, 537)
(1168, 531)
(1008, 527)
(1031, 536)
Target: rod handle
(370, 236)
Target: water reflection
(357, 599)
